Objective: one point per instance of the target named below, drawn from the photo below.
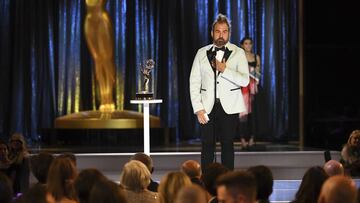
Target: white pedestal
(146, 105)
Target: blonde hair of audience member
(17, 148)
(354, 138)
(170, 185)
(338, 189)
(135, 176)
(333, 167)
(350, 151)
(62, 173)
(191, 194)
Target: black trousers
(221, 127)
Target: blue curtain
(46, 69)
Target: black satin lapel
(227, 54)
(210, 55)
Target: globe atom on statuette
(146, 72)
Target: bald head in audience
(338, 189)
(333, 167)
(191, 168)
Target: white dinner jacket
(229, 83)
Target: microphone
(218, 55)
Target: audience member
(106, 191)
(333, 167)
(350, 154)
(85, 181)
(145, 159)
(20, 163)
(170, 185)
(236, 187)
(135, 178)
(69, 155)
(191, 194)
(209, 176)
(192, 169)
(6, 191)
(40, 165)
(264, 182)
(310, 186)
(60, 182)
(338, 189)
(4, 158)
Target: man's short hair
(239, 182)
(145, 159)
(221, 18)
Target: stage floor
(184, 146)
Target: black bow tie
(221, 48)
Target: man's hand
(220, 66)
(201, 117)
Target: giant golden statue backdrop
(98, 32)
(100, 40)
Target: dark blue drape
(46, 69)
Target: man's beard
(220, 42)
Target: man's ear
(212, 34)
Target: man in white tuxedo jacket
(218, 72)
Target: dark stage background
(46, 70)
(331, 52)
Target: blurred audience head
(191, 168)
(17, 143)
(85, 181)
(170, 185)
(236, 187)
(106, 191)
(4, 151)
(311, 183)
(338, 189)
(135, 176)
(62, 174)
(210, 174)
(145, 159)
(191, 194)
(333, 167)
(40, 165)
(264, 181)
(70, 156)
(354, 138)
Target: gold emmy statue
(100, 40)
